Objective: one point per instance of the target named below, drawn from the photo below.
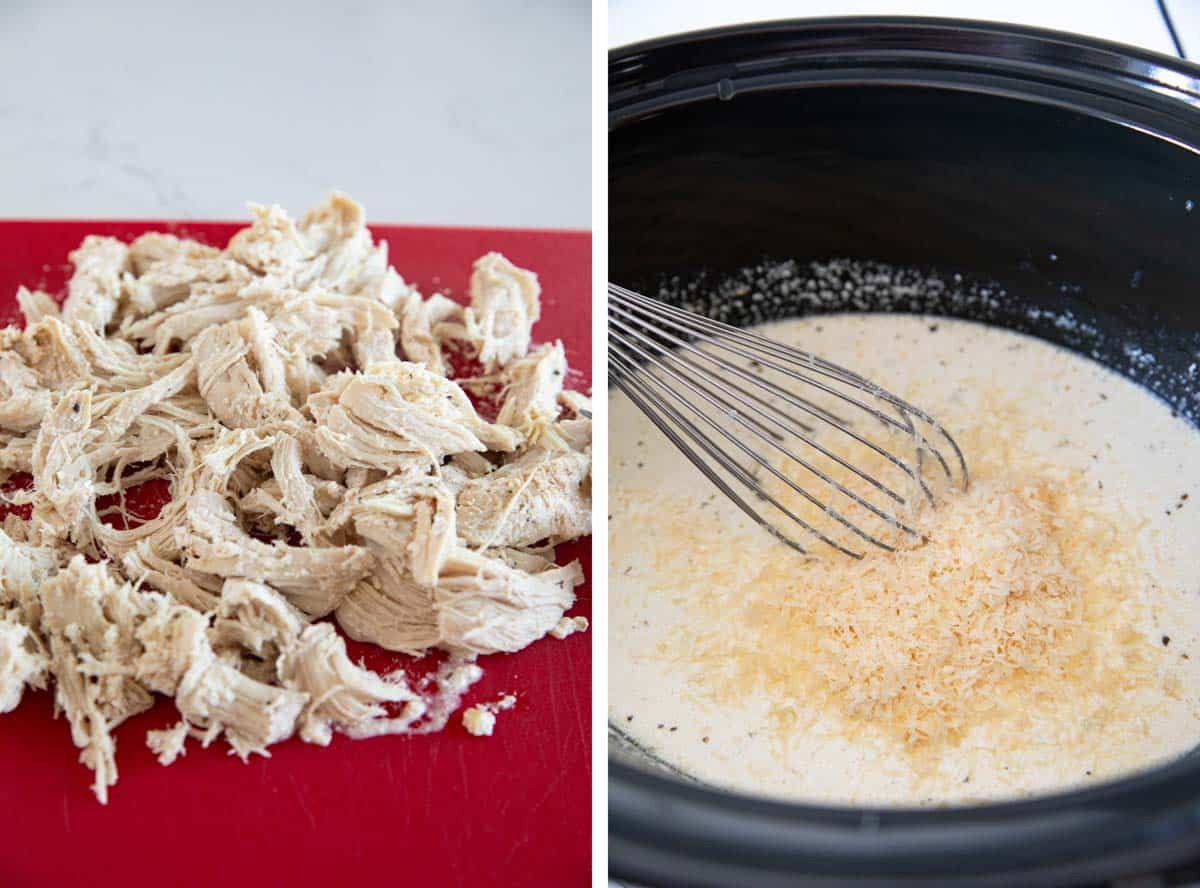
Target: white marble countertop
(455, 112)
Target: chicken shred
(533, 384)
(543, 495)
(22, 663)
(95, 290)
(504, 307)
(425, 325)
(341, 694)
(293, 395)
(36, 305)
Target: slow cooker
(1057, 173)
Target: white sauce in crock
(1068, 410)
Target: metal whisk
(788, 429)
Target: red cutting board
(446, 809)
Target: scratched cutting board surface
(444, 809)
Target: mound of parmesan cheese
(1019, 593)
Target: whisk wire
(681, 370)
(766, 464)
(696, 324)
(732, 411)
(828, 418)
(817, 365)
(628, 381)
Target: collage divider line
(599, 445)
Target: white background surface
(1127, 21)
(452, 112)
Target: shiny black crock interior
(1062, 170)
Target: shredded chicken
(543, 495)
(489, 604)
(398, 417)
(95, 290)
(36, 305)
(89, 621)
(22, 664)
(568, 626)
(421, 330)
(23, 400)
(504, 307)
(292, 395)
(254, 617)
(341, 694)
(315, 580)
(533, 383)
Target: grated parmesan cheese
(1013, 595)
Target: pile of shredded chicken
(295, 394)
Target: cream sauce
(1065, 409)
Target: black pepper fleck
(75, 407)
(1166, 640)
